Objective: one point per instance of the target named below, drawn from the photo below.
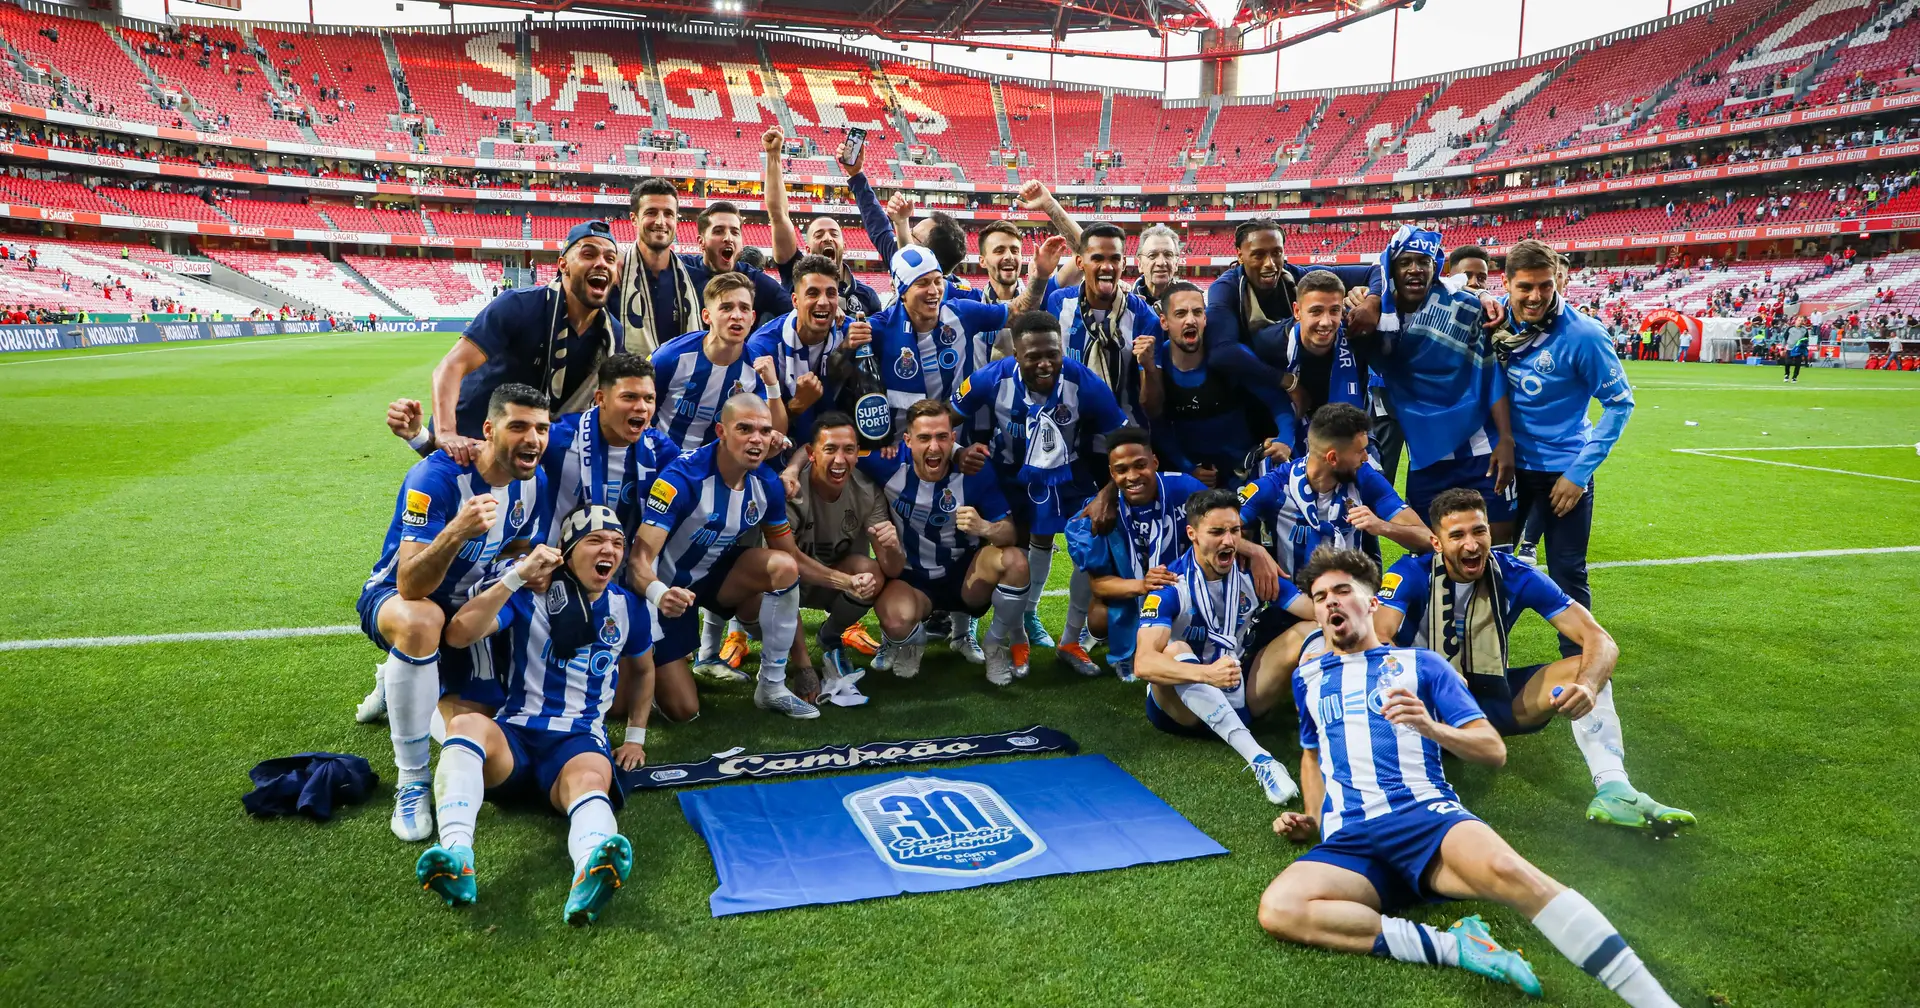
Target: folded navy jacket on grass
(309, 783)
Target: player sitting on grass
(838, 515)
(570, 645)
(1481, 594)
(1329, 496)
(1373, 723)
(960, 545)
(1193, 631)
(449, 523)
(1127, 537)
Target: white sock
(1416, 943)
(779, 622)
(1009, 609)
(713, 633)
(1039, 566)
(413, 690)
(1598, 736)
(1211, 706)
(589, 824)
(1583, 935)
(458, 790)
(918, 636)
(1079, 597)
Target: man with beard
(960, 544)
(1045, 417)
(839, 517)
(941, 233)
(1557, 362)
(1329, 495)
(999, 245)
(572, 647)
(1249, 302)
(450, 520)
(1374, 721)
(1463, 600)
(1193, 635)
(701, 371)
(1105, 326)
(1323, 366)
(658, 296)
(550, 337)
(1430, 345)
(824, 237)
(1205, 398)
(694, 551)
(1159, 258)
(811, 346)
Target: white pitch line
(1785, 387)
(341, 631)
(1704, 453)
(1817, 447)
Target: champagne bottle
(864, 397)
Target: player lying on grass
(960, 544)
(1195, 632)
(1373, 723)
(839, 517)
(570, 646)
(1464, 599)
(1126, 539)
(693, 552)
(450, 522)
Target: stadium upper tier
(621, 99)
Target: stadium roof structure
(973, 22)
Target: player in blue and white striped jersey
(694, 550)
(611, 453)
(449, 522)
(698, 372)
(959, 541)
(1192, 644)
(1332, 495)
(805, 345)
(1373, 723)
(571, 646)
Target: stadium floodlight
(1221, 12)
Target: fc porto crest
(1544, 362)
(942, 827)
(519, 515)
(751, 516)
(908, 366)
(947, 503)
(1063, 414)
(947, 335)
(610, 632)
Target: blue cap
(589, 229)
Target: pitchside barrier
(75, 336)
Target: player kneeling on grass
(570, 646)
(1192, 633)
(1425, 600)
(959, 542)
(838, 516)
(691, 554)
(1373, 723)
(450, 522)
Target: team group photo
(808, 565)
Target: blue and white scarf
(1143, 556)
(1048, 456)
(1316, 523)
(1227, 630)
(1407, 239)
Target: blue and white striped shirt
(569, 693)
(705, 518)
(923, 511)
(582, 468)
(793, 359)
(693, 388)
(1371, 766)
(432, 494)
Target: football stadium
(756, 502)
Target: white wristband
(513, 580)
(636, 735)
(421, 440)
(656, 591)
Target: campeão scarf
(1407, 239)
(1474, 642)
(1317, 523)
(1224, 630)
(1343, 378)
(1143, 556)
(1047, 452)
(636, 301)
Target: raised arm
(786, 241)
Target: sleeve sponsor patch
(660, 498)
(1150, 606)
(1389, 585)
(1247, 492)
(415, 512)
(966, 386)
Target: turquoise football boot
(1479, 953)
(605, 872)
(448, 872)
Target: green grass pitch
(247, 484)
